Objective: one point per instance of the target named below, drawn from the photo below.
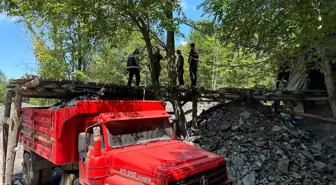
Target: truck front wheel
(30, 176)
(69, 179)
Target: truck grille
(215, 176)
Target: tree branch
(162, 44)
(227, 39)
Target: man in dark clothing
(193, 63)
(157, 57)
(133, 67)
(180, 67)
(283, 76)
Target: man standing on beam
(193, 63)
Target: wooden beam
(4, 135)
(30, 84)
(222, 96)
(14, 130)
(330, 120)
(46, 88)
(194, 113)
(42, 93)
(185, 102)
(69, 86)
(188, 111)
(289, 98)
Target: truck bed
(53, 134)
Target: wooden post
(194, 113)
(330, 84)
(2, 156)
(176, 117)
(4, 135)
(181, 129)
(14, 129)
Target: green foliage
(74, 28)
(3, 83)
(91, 40)
(42, 102)
(280, 28)
(34, 101)
(79, 76)
(110, 58)
(222, 66)
(50, 66)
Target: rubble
(262, 148)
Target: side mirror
(82, 144)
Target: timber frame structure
(35, 87)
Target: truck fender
(119, 180)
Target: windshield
(132, 132)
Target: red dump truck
(99, 142)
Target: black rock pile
(262, 148)
(72, 102)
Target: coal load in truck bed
(72, 102)
(262, 148)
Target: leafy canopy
(282, 27)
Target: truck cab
(142, 148)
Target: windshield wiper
(157, 140)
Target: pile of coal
(72, 102)
(262, 148)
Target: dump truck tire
(46, 176)
(68, 179)
(76, 181)
(30, 176)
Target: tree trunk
(4, 135)
(171, 58)
(145, 31)
(330, 84)
(154, 73)
(13, 138)
(171, 47)
(80, 64)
